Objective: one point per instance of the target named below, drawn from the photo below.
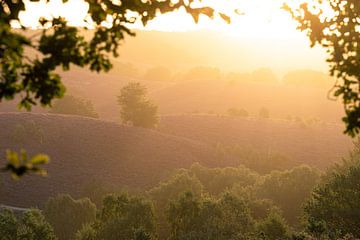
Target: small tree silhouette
(74, 106)
(136, 108)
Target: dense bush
(96, 191)
(289, 189)
(274, 227)
(124, 217)
(206, 218)
(203, 203)
(333, 209)
(67, 215)
(87, 232)
(31, 225)
(74, 106)
(218, 180)
(170, 190)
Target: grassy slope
(84, 149)
(314, 145)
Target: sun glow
(250, 18)
(74, 11)
(257, 18)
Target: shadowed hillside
(318, 145)
(84, 149)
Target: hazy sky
(261, 18)
(264, 35)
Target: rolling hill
(85, 149)
(317, 145)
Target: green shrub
(67, 215)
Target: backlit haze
(211, 126)
(260, 30)
(261, 42)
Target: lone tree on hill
(136, 108)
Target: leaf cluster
(19, 163)
(335, 25)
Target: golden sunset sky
(260, 17)
(263, 24)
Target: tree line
(206, 203)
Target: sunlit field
(174, 120)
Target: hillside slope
(84, 149)
(320, 145)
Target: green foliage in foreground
(87, 232)
(30, 226)
(203, 203)
(277, 191)
(336, 30)
(19, 164)
(122, 217)
(59, 210)
(289, 189)
(171, 190)
(274, 227)
(334, 208)
(200, 219)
